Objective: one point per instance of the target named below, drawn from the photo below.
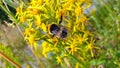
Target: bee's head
(54, 28)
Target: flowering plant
(39, 14)
(36, 18)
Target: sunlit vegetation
(86, 34)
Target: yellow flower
(28, 31)
(78, 11)
(73, 47)
(59, 60)
(33, 10)
(44, 27)
(36, 11)
(38, 21)
(32, 41)
(19, 9)
(90, 46)
(37, 2)
(46, 49)
(83, 18)
(77, 65)
(83, 38)
(20, 13)
(22, 19)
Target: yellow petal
(44, 27)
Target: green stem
(76, 59)
(9, 13)
(9, 60)
(48, 41)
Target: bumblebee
(58, 30)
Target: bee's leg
(60, 19)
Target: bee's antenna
(61, 18)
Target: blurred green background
(104, 17)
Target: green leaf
(97, 62)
